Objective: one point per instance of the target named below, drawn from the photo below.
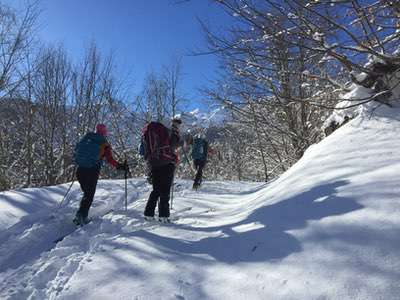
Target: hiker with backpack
(90, 152)
(159, 145)
(199, 155)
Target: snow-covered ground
(326, 229)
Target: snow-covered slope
(326, 229)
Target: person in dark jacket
(199, 156)
(89, 155)
(162, 174)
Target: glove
(149, 179)
(122, 167)
(175, 126)
(175, 130)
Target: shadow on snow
(271, 241)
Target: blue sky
(142, 34)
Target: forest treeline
(285, 66)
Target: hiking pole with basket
(126, 171)
(172, 190)
(126, 184)
(65, 196)
(70, 186)
(192, 171)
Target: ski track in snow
(29, 247)
(49, 266)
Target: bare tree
(16, 38)
(341, 35)
(52, 80)
(286, 62)
(172, 75)
(16, 43)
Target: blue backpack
(87, 151)
(199, 149)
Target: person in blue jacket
(90, 152)
(199, 155)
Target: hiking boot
(164, 220)
(149, 218)
(80, 220)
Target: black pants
(87, 178)
(199, 166)
(162, 180)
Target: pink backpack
(156, 142)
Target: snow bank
(326, 229)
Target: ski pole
(188, 162)
(126, 185)
(65, 196)
(172, 191)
